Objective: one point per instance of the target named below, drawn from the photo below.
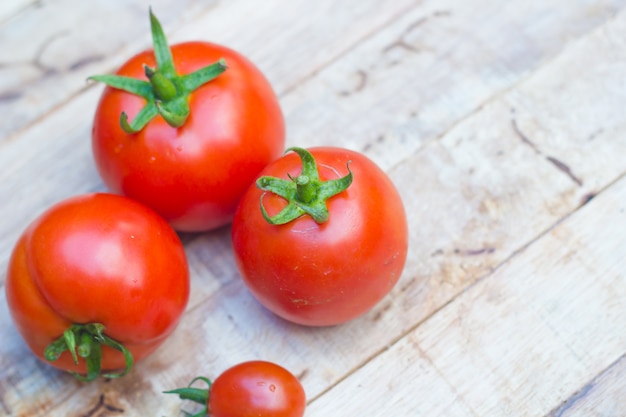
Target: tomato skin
(256, 388)
(323, 274)
(98, 258)
(194, 175)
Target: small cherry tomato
(322, 237)
(255, 388)
(186, 130)
(96, 282)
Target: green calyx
(305, 194)
(198, 395)
(86, 341)
(166, 92)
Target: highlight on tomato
(96, 283)
(253, 388)
(185, 130)
(322, 237)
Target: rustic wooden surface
(503, 126)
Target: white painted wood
(604, 396)
(64, 134)
(511, 146)
(10, 8)
(435, 65)
(51, 52)
(516, 344)
(543, 323)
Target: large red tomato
(186, 131)
(336, 240)
(99, 275)
(254, 388)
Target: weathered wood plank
(50, 53)
(529, 335)
(63, 134)
(10, 8)
(440, 62)
(604, 396)
(518, 343)
(475, 199)
(400, 381)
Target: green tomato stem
(197, 395)
(86, 341)
(305, 194)
(305, 189)
(166, 93)
(164, 89)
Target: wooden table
(502, 123)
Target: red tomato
(97, 258)
(322, 272)
(255, 388)
(192, 175)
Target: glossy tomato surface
(329, 273)
(256, 388)
(98, 258)
(193, 175)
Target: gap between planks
(496, 268)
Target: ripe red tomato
(204, 143)
(254, 388)
(330, 269)
(107, 268)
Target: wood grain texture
(604, 396)
(51, 51)
(11, 8)
(415, 79)
(512, 344)
(502, 126)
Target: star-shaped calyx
(166, 92)
(305, 194)
(86, 341)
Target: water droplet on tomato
(272, 387)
